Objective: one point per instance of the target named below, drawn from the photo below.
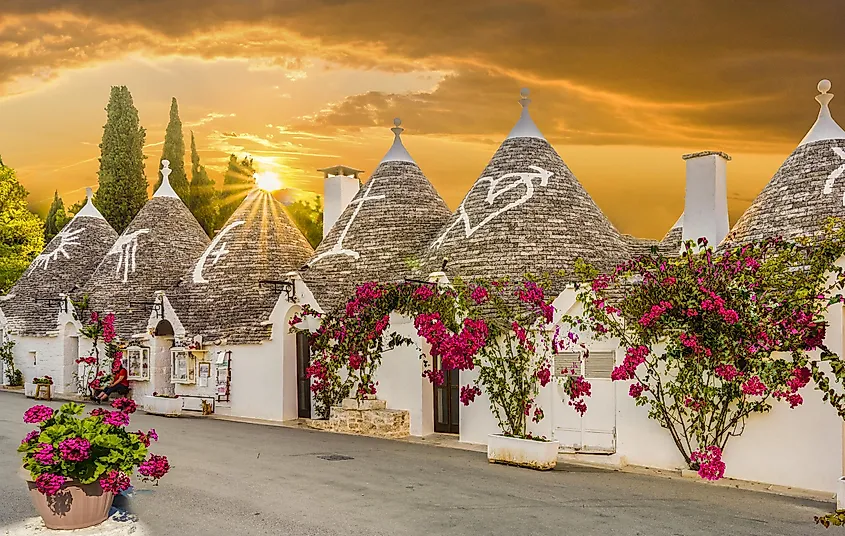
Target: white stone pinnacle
(165, 190)
(825, 128)
(89, 210)
(397, 152)
(525, 127)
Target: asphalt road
(231, 478)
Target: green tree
(21, 231)
(123, 183)
(174, 152)
(308, 216)
(57, 218)
(237, 182)
(203, 198)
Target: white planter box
(29, 390)
(540, 455)
(171, 407)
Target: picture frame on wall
(205, 370)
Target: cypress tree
(237, 182)
(174, 152)
(203, 198)
(123, 183)
(54, 222)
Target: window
(138, 360)
(34, 357)
(183, 366)
(597, 365)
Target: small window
(597, 365)
(183, 366)
(138, 360)
(34, 357)
(567, 361)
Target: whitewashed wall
(799, 447)
(401, 382)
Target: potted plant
(77, 464)
(46, 380)
(162, 404)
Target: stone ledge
(369, 418)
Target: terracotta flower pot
(76, 506)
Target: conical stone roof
(526, 213)
(379, 236)
(157, 248)
(62, 268)
(807, 190)
(221, 297)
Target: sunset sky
(621, 89)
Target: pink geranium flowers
(49, 484)
(37, 414)
(75, 449)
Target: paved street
(231, 479)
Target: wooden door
(446, 404)
(303, 382)
(595, 432)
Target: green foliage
(308, 216)
(237, 182)
(21, 231)
(14, 377)
(174, 152)
(203, 197)
(123, 182)
(836, 519)
(57, 218)
(112, 448)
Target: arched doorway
(161, 344)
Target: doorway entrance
(303, 382)
(446, 403)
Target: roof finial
(88, 209)
(824, 97)
(166, 190)
(397, 128)
(524, 101)
(397, 152)
(525, 127)
(89, 193)
(825, 128)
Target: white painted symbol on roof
(126, 248)
(525, 178)
(835, 174)
(219, 253)
(197, 275)
(66, 238)
(338, 248)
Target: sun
(268, 181)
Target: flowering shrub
(93, 373)
(713, 338)
(87, 449)
(348, 346)
(504, 333)
(499, 328)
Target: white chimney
(706, 198)
(339, 188)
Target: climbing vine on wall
(501, 329)
(712, 338)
